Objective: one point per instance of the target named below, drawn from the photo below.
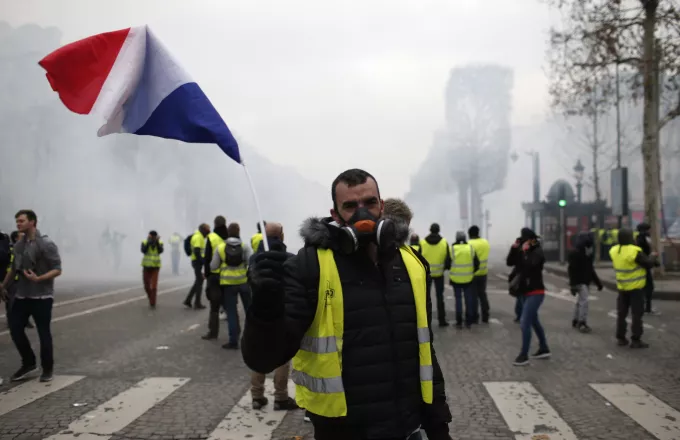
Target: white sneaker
(307, 419)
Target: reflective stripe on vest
(435, 254)
(152, 258)
(462, 264)
(482, 248)
(255, 241)
(197, 241)
(629, 275)
(215, 242)
(317, 370)
(231, 275)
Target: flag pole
(257, 206)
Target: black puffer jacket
(380, 364)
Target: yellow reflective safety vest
(152, 258)
(255, 241)
(482, 248)
(629, 274)
(231, 275)
(11, 264)
(175, 240)
(435, 254)
(317, 366)
(215, 242)
(197, 241)
(462, 264)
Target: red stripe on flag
(78, 70)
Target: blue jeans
(529, 321)
(465, 292)
(519, 304)
(230, 296)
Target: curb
(663, 295)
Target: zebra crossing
(525, 411)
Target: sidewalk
(664, 289)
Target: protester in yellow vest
(330, 309)
(197, 260)
(436, 251)
(630, 266)
(256, 239)
(415, 243)
(231, 259)
(213, 291)
(152, 248)
(464, 264)
(482, 249)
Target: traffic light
(562, 196)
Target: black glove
(600, 287)
(574, 290)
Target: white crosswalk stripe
(659, 419)
(244, 422)
(114, 415)
(31, 391)
(526, 412)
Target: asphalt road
(124, 371)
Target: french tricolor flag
(130, 79)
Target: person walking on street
(213, 291)
(630, 266)
(643, 242)
(14, 237)
(175, 243)
(37, 262)
(414, 242)
(482, 249)
(197, 258)
(231, 257)
(436, 251)
(581, 270)
(512, 260)
(152, 248)
(464, 264)
(282, 401)
(353, 289)
(530, 271)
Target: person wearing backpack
(37, 262)
(212, 290)
(194, 246)
(232, 258)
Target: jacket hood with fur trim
(323, 232)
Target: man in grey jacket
(37, 262)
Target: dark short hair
(434, 228)
(29, 213)
(473, 232)
(153, 233)
(234, 230)
(220, 221)
(352, 178)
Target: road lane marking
(114, 415)
(495, 321)
(109, 306)
(527, 413)
(193, 327)
(659, 419)
(89, 297)
(30, 391)
(613, 314)
(243, 422)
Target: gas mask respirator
(363, 228)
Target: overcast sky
(328, 85)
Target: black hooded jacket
(581, 269)
(433, 239)
(209, 251)
(380, 357)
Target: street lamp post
(578, 173)
(536, 181)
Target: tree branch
(672, 114)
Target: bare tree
(642, 37)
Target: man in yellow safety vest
(630, 266)
(152, 248)
(352, 312)
(436, 251)
(481, 247)
(464, 264)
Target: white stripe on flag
(243, 422)
(527, 413)
(112, 416)
(31, 391)
(662, 421)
